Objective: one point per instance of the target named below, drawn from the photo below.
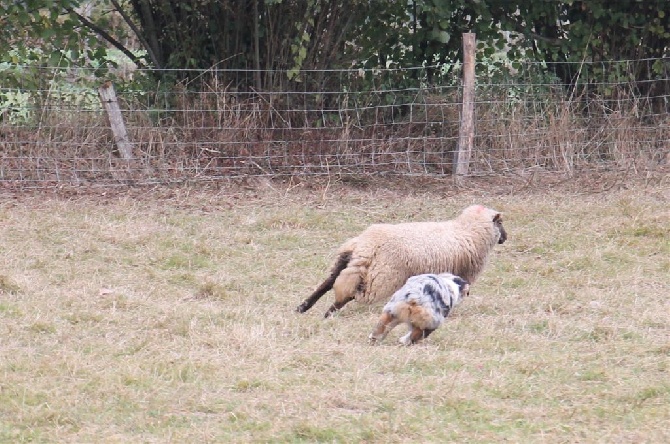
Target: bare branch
(105, 35)
(138, 33)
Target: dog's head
(463, 286)
(457, 284)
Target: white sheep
(373, 265)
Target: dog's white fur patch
(423, 303)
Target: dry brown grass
(183, 134)
(168, 316)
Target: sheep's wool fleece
(384, 256)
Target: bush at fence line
(29, 107)
(34, 83)
(14, 106)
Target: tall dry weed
(213, 132)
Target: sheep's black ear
(497, 217)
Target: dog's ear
(463, 285)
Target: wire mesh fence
(54, 130)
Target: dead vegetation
(215, 133)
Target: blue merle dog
(422, 303)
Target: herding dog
(422, 303)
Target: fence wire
(53, 129)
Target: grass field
(168, 316)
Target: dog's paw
(405, 340)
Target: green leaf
(55, 58)
(441, 36)
(47, 33)
(292, 74)
(24, 18)
(658, 67)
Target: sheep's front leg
(386, 323)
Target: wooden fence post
(466, 133)
(108, 99)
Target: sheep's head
(502, 234)
(480, 212)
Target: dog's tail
(341, 263)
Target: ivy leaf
(441, 36)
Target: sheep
(423, 303)
(373, 265)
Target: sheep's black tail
(327, 285)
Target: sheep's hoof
(374, 339)
(330, 313)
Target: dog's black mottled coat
(423, 303)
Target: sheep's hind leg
(386, 323)
(327, 285)
(337, 305)
(307, 303)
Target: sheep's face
(502, 234)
